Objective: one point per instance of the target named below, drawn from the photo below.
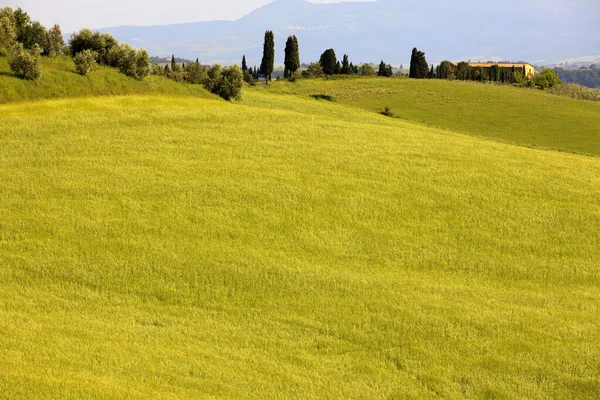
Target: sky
(73, 15)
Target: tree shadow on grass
(322, 97)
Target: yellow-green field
(284, 247)
(523, 116)
(60, 80)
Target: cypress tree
(173, 67)
(296, 53)
(328, 61)
(419, 68)
(345, 69)
(292, 58)
(338, 68)
(422, 67)
(268, 60)
(413, 64)
(244, 65)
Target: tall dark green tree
(292, 58)
(419, 68)
(174, 66)
(296, 52)
(268, 60)
(345, 70)
(338, 68)
(328, 61)
(385, 70)
(244, 65)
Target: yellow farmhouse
(525, 68)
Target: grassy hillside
(60, 80)
(526, 117)
(297, 249)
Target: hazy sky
(73, 15)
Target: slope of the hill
(525, 117)
(60, 80)
(193, 248)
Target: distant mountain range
(540, 32)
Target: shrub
(315, 70)
(26, 64)
(226, 82)
(232, 82)
(387, 111)
(195, 73)
(366, 70)
(129, 61)
(575, 91)
(546, 79)
(101, 43)
(85, 61)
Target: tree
(296, 54)
(315, 70)
(447, 70)
(345, 70)
(85, 61)
(225, 82)
(328, 61)
(546, 79)
(338, 68)
(231, 83)
(463, 71)
(21, 21)
(8, 36)
(36, 34)
(174, 66)
(132, 62)
(101, 43)
(53, 43)
(366, 70)
(419, 68)
(268, 59)
(292, 58)
(26, 64)
(385, 70)
(195, 73)
(244, 65)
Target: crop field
(523, 116)
(179, 246)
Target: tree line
(24, 41)
(589, 77)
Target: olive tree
(26, 64)
(85, 61)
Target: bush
(387, 111)
(85, 61)
(366, 70)
(129, 61)
(226, 82)
(546, 79)
(26, 64)
(315, 70)
(101, 43)
(195, 73)
(575, 91)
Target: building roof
(504, 64)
